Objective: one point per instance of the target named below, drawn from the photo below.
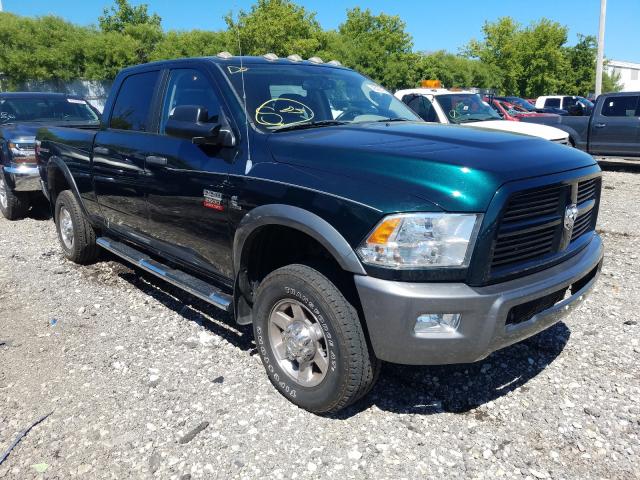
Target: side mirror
(195, 123)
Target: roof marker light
(224, 55)
(294, 58)
(316, 60)
(334, 63)
(270, 56)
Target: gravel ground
(144, 381)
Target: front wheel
(311, 341)
(13, 205)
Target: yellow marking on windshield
(289, 112)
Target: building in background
(629, 74)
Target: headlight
(22, 152)
(419, 240)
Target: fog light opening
(437, 323)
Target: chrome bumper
(22, 178)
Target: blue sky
(434, 25)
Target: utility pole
(0, 5)
(600, 59)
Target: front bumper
(22, 178)
(391, 309)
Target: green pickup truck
(308, 201)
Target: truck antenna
(249, 164)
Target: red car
(512, 112)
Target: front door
(186, 196)
(615, 128)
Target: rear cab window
(552, 102)
(131, 110)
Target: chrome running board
(180, 279)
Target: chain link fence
(95, 92)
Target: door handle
(101, 150)
(600, 125)
(154, 160)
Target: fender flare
(298, 219)
(58, 163)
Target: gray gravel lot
(144, 381)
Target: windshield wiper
(393, 119)
(302, 126)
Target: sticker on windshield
(375, 88)
(75, 100)
(233, 69)
(280, 112)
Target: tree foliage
(123, 14)
(275, 26)
(510, 58)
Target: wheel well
(274, 246)
(57, 183)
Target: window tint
(422, 106)
(189, 87)
(552, 102)
(131, 110)
(569, 101)
(620, 106)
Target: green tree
(195, 43)
(275, 26)
(122, 14)
(376, 45)
(581, 77)
(611, 82)
(456, 71)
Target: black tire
(83, 248)
(16, 204)
(353, 368)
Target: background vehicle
(344, 228)
(530, 107)
(510, 111)
(612, 129)
(21, 114)
(468, 109)
(565, 102)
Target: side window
(131, 110)
(552, 102)
(423, 107)
(188, 87)
(569, 101)
(620, 106)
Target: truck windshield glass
(283, 96)
(46, 110)
(466, 107)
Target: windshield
(466, 107)
(522, 103)
(285, 96)
(46, 109)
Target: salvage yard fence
(95, 92)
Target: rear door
(187, 198)
(119, 154)
(615, 126)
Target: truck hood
(26, 132)
(456, 168)
(542, 131)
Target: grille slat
(518, 239)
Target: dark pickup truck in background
(327, 214)
(21, 115)
(612, 128)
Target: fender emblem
(212, 200)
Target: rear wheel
(311, 341)
(14, 205)
(76, 235)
